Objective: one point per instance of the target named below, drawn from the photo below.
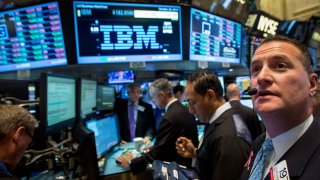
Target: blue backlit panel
(31, 37)
(127, 32)
(213, 38)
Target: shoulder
(144, 104)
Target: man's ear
(17, 134)
(211, 94)
(313, 84)
(161, 94)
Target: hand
(123, 142)
(185, 148)
(124, 160)
(147, 140)
(146, 148)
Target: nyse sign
(267, 25)
(125, 39)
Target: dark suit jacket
(145, 124)
(176, 122)
(303, 158)
(250, 117)
(223, 152)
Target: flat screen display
(243, 83)
(254, 43)
(57, 102)
(31, 37)
(121, 77)
(213, 38)
(221, 79)
(110, 32)
(106, 132)
(105, 97)
(88, 97)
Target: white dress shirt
(284, 141)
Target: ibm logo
(125, 37)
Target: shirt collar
(135, 103)
(172, 101)
(4, 168)
(219, 111)
(284, 141)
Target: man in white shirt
(282, 73)
(225, 145)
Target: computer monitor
(246, 102)
(121, 77)
(106, 97)
(57, 102)
(113, 32)
(14, 88)
(221, 79)
(213, 38)
(106, 132)
(31, 37)
(254, 43)
(88, 97)
(87, 151)
(243, 83)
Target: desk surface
(111, 167)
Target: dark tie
(206, 126)
(259, 161)
(132, 121)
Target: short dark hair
(306, 58)
(132, 86)
(178, 88)
(204, 80)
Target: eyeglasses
(29, 134)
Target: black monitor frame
(117, 129)
(118, 55)
(220, 58)
(87, 151)
(81, 116)
(35, 63)
(101, 107)
(55, 128)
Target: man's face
(282, 82)
(157, 98)
(134, 94)
(198, 105)
(23, 142)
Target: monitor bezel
(177, 57)
(79, 102)
(114, 97)
(55, 128)
(204, 58)
(104, 153)
(31, 65)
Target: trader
(247, 114)
(285, 81)
(176, 122)
(136, 117)
(16, 133)
(226, 142)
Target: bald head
(233, 92)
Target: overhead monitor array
(113, 32)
